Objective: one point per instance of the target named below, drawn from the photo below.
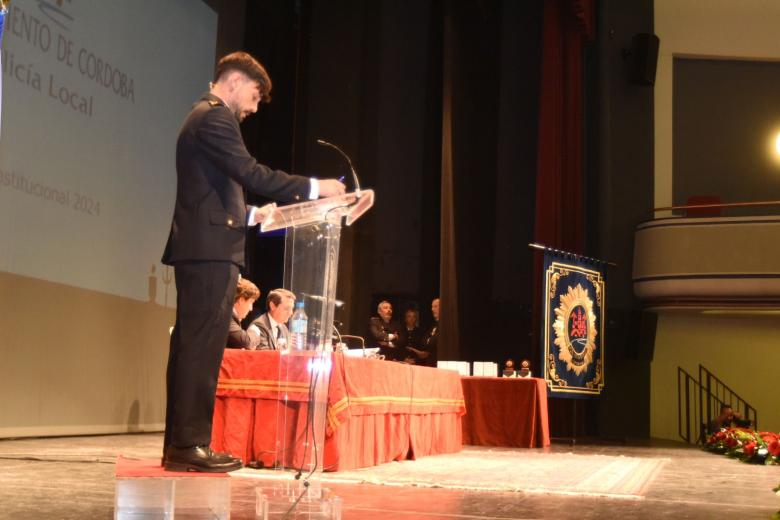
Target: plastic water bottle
(299, 324)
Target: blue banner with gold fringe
(573, 324)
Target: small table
(505, 411)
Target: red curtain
(568, 25)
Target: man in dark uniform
(383, 332)
(206, 248)
(426, 355)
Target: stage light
(773, 147)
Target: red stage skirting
(378, 411)
(505, 412)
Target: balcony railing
(712, 260)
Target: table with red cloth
(377, 411)
(504, 411)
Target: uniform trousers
(205, 296)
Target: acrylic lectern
(310, 272)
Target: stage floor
(73, 478)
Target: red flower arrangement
(773, 447)
(746, 444)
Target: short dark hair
(277, 295)
(246, 63)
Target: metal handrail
(685, 382)
(722, 394)
(708, 394)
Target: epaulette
(214, 103)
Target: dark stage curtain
(449, 337)
(470, 92)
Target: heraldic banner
(573, 324)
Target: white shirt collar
(272, 321)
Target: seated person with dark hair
(383, 332)
(246, 295)
(273, 333)
(728, 418)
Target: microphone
(319, 298)
(323, 142)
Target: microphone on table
(355, 180)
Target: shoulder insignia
(214, 103)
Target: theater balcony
(704, 258)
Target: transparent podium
(310, 272)
(145, 491)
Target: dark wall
(230, 25)
(273, 31)
(726, 117)
(619, 158)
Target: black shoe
(222, 457)
(199, 458)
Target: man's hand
(331, 188)
(254, 334)
(262, 212)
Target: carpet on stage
(528, 471)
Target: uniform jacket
(214, 170)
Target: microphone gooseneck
(323, 142)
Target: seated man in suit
(246, 294)
(273, 333)
(383, 332)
